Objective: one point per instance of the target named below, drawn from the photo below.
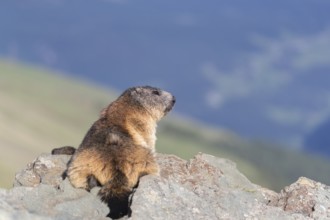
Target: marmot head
(154, 101)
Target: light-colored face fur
(155, 101)
(138, 110)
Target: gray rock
(47, 169)
(307, 197)
(41, 193)
(204, 187)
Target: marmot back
(119, 147)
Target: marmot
(119, 148)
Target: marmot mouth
(170, 106)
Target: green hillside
(40, 110)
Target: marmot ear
(138, 89)
(135, 92)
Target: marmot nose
(173, 100)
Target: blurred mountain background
(251, 77)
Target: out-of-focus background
(251, 78)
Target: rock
(41, 190)
(46, 169)
(307, 197)
(205, 187)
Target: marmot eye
(155, 92)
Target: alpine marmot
(119, 148)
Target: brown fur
(119, 147)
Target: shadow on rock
(119, 207)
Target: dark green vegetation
(40, 110)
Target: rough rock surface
(204, 187)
